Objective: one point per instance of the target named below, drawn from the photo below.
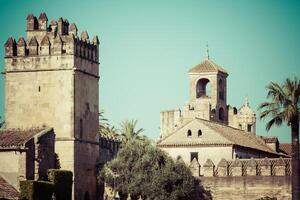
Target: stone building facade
(51, 79)
(209, 128)
(25, 154)
(208, 100)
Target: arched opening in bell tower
(203, 88)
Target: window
(199, 133)
(249, 127)
(39, 88)
(221, 90)
(221, 114)
(194, 155)
(81, 128)
(189, 133)
(203, 88)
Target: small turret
(53, 27)
(73, 29)
(10, 47)
(33, 47)
(32, 23)
(62, 26)
(96, 51)
(84, 36)
(247, 118)
(21, 47)
(43, 20)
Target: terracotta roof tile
(17, 137)
(207, 66)
(239, 137)
(286, 148)
(7, 191)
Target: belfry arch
(203, 88)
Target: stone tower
(51, 79)
(208, 92)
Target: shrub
(62, 180)
(36, 190)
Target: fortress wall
(248, 187)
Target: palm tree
(284, 106)
(1, 123)
(103, 122)
(128, 131)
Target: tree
(103, 122)
(105, 128)
(141, 169)
(128, 131)
(284, 106)
(1, 123)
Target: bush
(62, 180)
(36, 190)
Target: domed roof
(245, 109)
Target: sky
(147, 48)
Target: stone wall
(248, 187)
(245, 178)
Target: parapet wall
(243, 167)
(169, 120)
(59, 39)
(248, 179)
(248, 187)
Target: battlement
(243, 167)
(57, 38)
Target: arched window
(234, 110)
(221, 90)
(203, 88)
(189, 133)
(199, 132)
(221, 114)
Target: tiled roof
(226, 135)
(286, 148)
(17, 137)
(269, 139)
(238, 137)
(7, 191)
(207, 66)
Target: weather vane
(207, 51)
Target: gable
(208, 136)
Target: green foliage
(62, 180)
(129, 132)
(141, 169)
(36, 190)
(283, 104)
(1, 122)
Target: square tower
(51, 79)
(208, 99)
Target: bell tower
(208, 91)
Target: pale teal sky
(147, 48)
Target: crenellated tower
(51, 79)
